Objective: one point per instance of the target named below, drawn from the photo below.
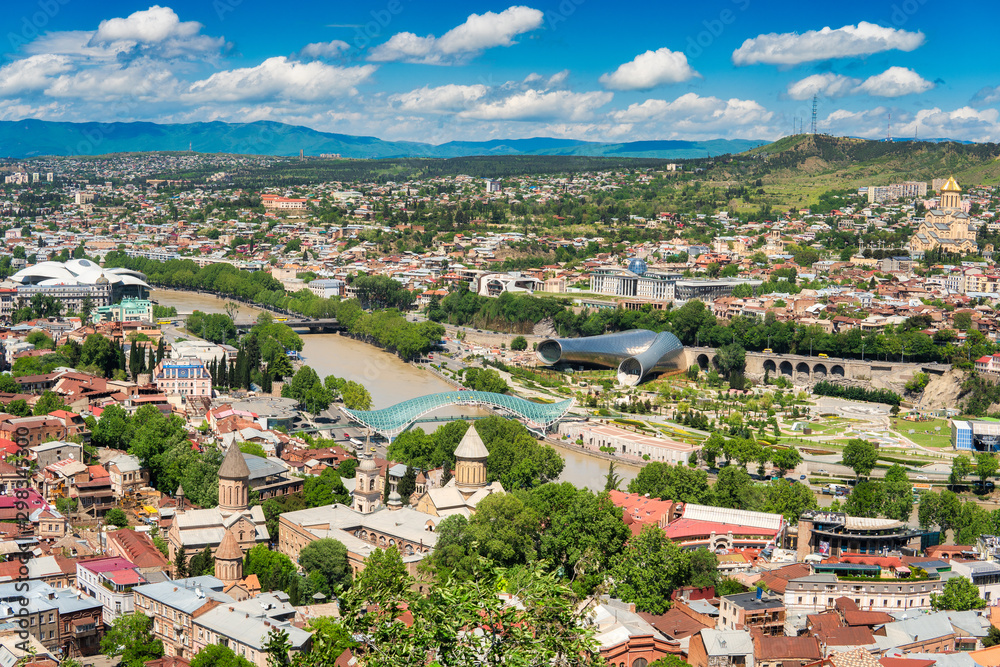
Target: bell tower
(234, 482)
(229, 560)
(470, 462)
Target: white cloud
(649, 70)
(559, 78)
(478, 33)
(142, 82)
(692, 115)
(320, 50)
(827, 84)
(31, 74)
(451, 97)
(964, 123)
(539, 105)
(156, 31)
(894, 82)
(792, 48)
(281, 78)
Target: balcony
(84, 628)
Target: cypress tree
(161, 350)
(223, 380)
(152, 360)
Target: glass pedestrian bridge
(390, 422)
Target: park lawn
(934, 438)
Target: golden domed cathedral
(946, 227)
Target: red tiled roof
(683, 528)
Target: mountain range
(35, 138)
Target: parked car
(802, 476)
(822, 471)
(921, 476)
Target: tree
(48, 403)
(116, 517)
(180, 563)
(114, 428)
(679, 483)
(518, 344)
(612, 480)
(860, 456)
(18, 408)
(202, 563)
(328, 557)
(961, 466)
(131, 638)
(731, 359)
(866, 500)
(407, 484)
(216, 655)
(733, 488)
(546, 627)
(785, 460)
(649, 570)
(986, 467)
(959, 594)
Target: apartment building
(187, 377)
(189, 614)
(817, 592)
(109, 581)
(752, 610)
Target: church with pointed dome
(459, 495)
(229, 527)
(946, 227)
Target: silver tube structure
(634, 353)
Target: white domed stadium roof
(76, 272)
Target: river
(387, 377)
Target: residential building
(128, 475)
(721, 648)
(138, 549)
(186, 377)
(110, 581)
(815, 593)
(752, 610)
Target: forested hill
(34, 138)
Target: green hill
(795, 170)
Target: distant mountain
(34, 138)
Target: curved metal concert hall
(636, 353)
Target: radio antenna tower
(888, 128)
(815, 98)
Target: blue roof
(395, 419)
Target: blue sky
(440, 71)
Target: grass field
(924, 433)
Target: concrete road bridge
(804, 369)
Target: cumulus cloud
(31, 74)
(156, 31)
(539, 105)
(649, 70)
(478, 33)
(694, 115)
(451, 97)
(792, 48)
(144, 81)
(320, 50)
(281, 78)
(894, 82)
